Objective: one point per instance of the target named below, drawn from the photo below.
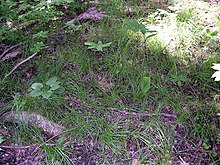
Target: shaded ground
(88, 150)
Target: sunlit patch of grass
(182, 28)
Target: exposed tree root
(47, 126)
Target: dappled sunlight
(182, 28)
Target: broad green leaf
(37, 85)
(59, 90)
(207, 38)
(38, 46)
(135, 26)
(213, 43)
(36, 93)
(51, 81)
(214, 33)
(145, 84)
(92, 47)
(106, 45)
(179, 78)
(208, 31)
(47, 94)
(99, 43)
(54, 86)
(99, 48)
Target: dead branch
(47, 126)
(20, 63)
(7, 50)
(145, 114)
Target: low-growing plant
(38, 46)
(72, 27)
(52, 86)
(179, 79)
(139, 27)
(209, 39)
(99, 46)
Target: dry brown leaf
(11, 55)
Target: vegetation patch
(109, 82)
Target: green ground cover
(131, 85)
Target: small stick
(145, 114)
(20, 63)
(53, 137)
(38, 147)
(166, 46)
(7, 50)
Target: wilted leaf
(11, 55)
(47, 94)
(37, 85)
(36, 93)
(145, 84)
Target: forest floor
(102, 90)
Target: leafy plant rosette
(52, 86)
(97, 46)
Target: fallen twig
(166, 46)
(53, 137)
(47, 126)
(7, 50)
(20, 63)
(145, 114)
